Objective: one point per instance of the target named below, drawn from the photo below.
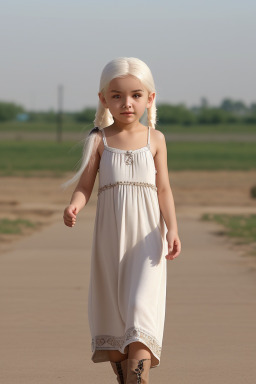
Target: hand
(174, 245)
(69, 215)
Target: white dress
(127, 291)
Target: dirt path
(210, 320)
(40, 199)
(210, 331)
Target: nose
(127, 103)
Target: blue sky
(194, 48)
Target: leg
(117, 356)
(139, 351)
(118, 362)
(138, 364)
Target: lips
(127, 113)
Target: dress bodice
(119, 165)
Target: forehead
(125, 84)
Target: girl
(135, 229)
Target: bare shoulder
(158, 135)
(99, 136)
(98, 143)
(157, 140)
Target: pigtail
(152, 115)
(103, 117)
(87, 151)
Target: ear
(151, 98)
(102, 99)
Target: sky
(195, 49)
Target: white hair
(120, 67)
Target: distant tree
(253, 107)
(238, 107)
(215, 116)
(86, 115)
(250, 118)
(227, 105)
(175, 114)
(204, 102)
(9, 111)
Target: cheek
(114, 104)
(142, 104)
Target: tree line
(229, 111)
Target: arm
(83, 190)
(165, 196)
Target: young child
(135, 229)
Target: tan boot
(138, 371)
(120, 369)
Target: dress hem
(108, 342)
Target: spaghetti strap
(148, 143)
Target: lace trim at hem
(138, 183)
(132, 334)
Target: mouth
(127, 113)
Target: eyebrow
(136, 90)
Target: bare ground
(41, 199)
(210, 309)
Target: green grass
(24, 157)
(8, 226)
(211, 156)
(16, 126)
(69, 126)
(238, 227)
(217, 128)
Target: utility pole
(59, 114)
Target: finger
(176, 254)
(68, 220)
(68, 217)
(70, 225)
(170, 248)
(172, 256)
(168, 257)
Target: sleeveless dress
(127, 290)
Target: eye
(137, 95)
(115, 97)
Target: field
(28, 158)
(209, 179)
(70, 126)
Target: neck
(126, 127)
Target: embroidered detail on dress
(128, 157)
(138, 183)
(103, 342)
